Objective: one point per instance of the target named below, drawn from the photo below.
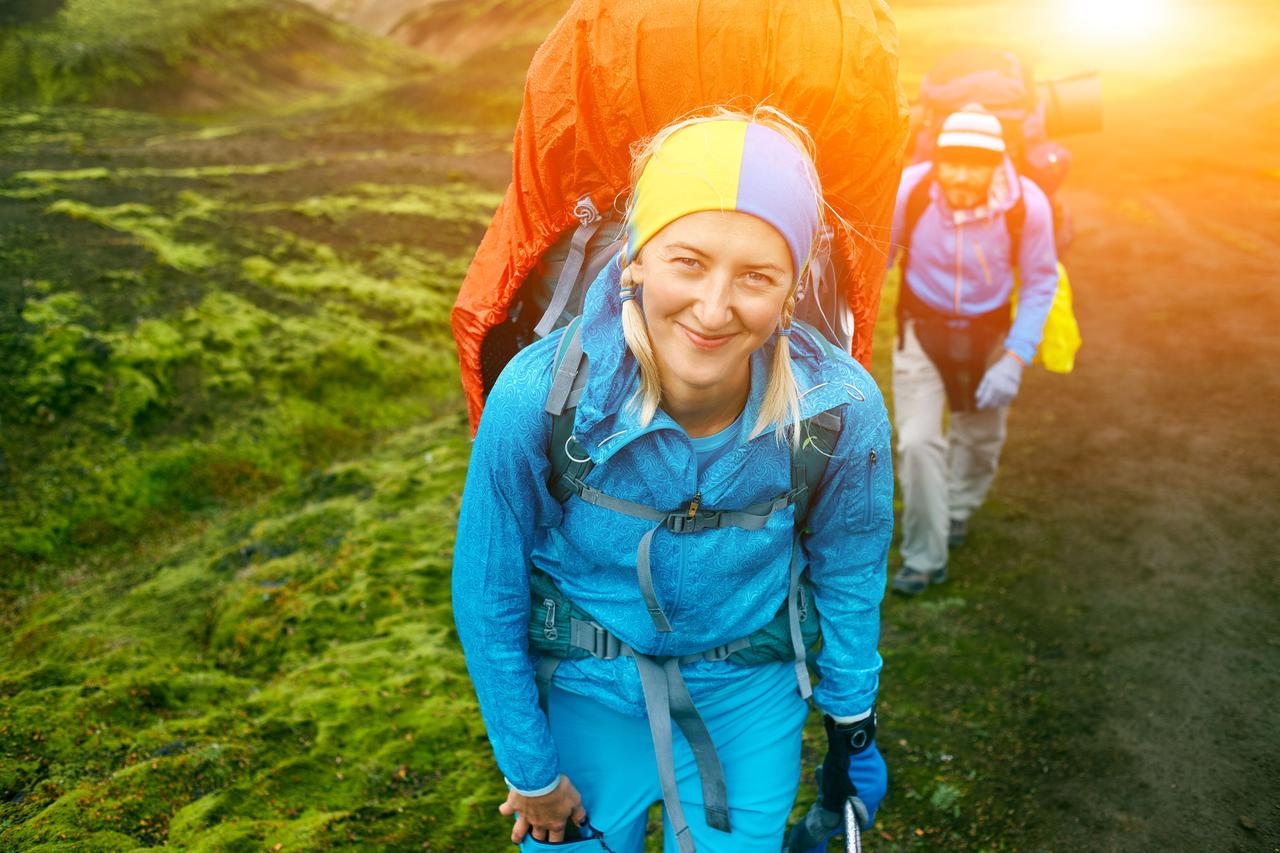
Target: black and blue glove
(853, 772)
(870, 779)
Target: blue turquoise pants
(609, 758)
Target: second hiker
(964, 224)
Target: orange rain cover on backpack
(615, 71)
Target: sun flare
(1115, 20)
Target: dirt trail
(1153, 478)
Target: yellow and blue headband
(727, 165)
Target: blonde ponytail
(636, 333)
(781, 405)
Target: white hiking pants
(942, 477)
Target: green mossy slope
(185, 55)
(230, 467)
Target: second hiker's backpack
(614, 72)
(1031, 113)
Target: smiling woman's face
(713, 286)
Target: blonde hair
(781, 405)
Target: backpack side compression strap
(571, 273)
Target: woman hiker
(670, 571)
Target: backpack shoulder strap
(818, 437)
(917, 204)
(570, 370)
(568, 460)
(1014, 218)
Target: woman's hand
(544, 816)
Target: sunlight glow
(1115, 20)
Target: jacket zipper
(959, 254)
(871, 467)
(982, 261)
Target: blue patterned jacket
(715, 586)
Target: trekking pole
(852, 834)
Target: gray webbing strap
(566, 374)
(598, 498)
(579, 384)
(667, 698)
(569, 275)
(599, 642)
(719, 652)
(793, 618)
(545, 670)
(596, 639)
(715, 799)
(753, 517)
(644, 579)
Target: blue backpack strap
(917, 204)
(818, 437)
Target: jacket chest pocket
(870, 500)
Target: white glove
(999, 384)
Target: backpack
(1002, 84)
(616, 71)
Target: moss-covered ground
(233, 443)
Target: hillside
(185, 55)
(452, 30)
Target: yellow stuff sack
(1061, 340)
